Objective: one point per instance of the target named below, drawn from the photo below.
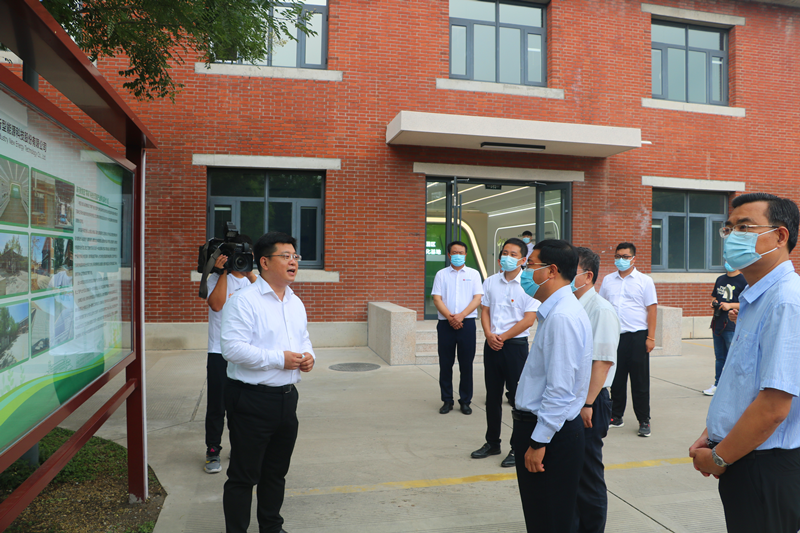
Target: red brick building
(598, 122)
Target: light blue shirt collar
(551, 302)
(752, 293)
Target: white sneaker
(710, 391)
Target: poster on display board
(65, 302)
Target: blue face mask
(526, 240)
(508, 263)
(572, 285)
(458, 260)
(728, 267)
(526, 280)
(622, 264)
(739, 250)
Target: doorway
(484, 214)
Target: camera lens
(239, 263)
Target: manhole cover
(354, 367)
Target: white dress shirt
(530, 249)
(215, 317)
(555, 378)
(257, 328)
(630, 297)
(457, 287)
(507, 301)
(605, 330)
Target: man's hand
(697, 449)
(725, 306)
(649, 345)
(252, 276)
(586, 415)
(307, 363)
(495, 342)
(733, 314)
(454, 322)
(292, 360)
(704, 463)
(533, 459)
(220, 262)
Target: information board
(64, 284)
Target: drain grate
(354, 367)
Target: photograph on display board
(62, 263)
(65, 205)
(63, 323)
(13, 263)
(13, 334)
(41, 262)
(42, 323)
(14, 192)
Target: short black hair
(588, 261)
(523, 248)
(457, 243)
(268, 242)
(780, 212)
(242, 238)
(526, 232)
(561, 254)
(628, 245)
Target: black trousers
(592, 492)
(549, 497)
(761, 492)
(216, 376)
(501, 369)
(451, 340)
(263, 430)
(633, 359)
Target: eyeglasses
(530, 264)
(740, 229)
(287, 256)
(617, 256)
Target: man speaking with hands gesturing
(265, 341)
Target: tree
(151, 33)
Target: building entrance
(484, 214)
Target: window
(259, 201)
(497, 41)
(689, 63)
(685, 230)
(308, 51)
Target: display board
(64, 288)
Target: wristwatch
(536, 445)
(719, 461)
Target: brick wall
(391, 53)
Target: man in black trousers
(456, 294)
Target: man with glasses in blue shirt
(752, 436)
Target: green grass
(147, 527)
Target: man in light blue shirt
(548, 436)
(752, 437)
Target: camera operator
(726, 298)
(221, 287)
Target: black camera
(240, 256)
(717, 310)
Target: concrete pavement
(374, 454)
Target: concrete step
(432, 358)
(434, 347)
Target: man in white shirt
(265, 341)
(456, 294)
(548, 433)
(527, 238)
(506, 317)
(633, 296)
(220, 287)
(596, 411)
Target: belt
(283, 389)
(713, 444)
(517, 340)
(524, 416)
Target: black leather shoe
(466, 409)
(446, 408)
(485, 451)
(509, 461)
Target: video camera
(717, 310)
(240, 256)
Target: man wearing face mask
(596, 411)
(726, 297)
(752, 436)
(548, 435)
(527, 238)
(457, 292)
(633, 296)
(506, 316)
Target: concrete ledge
(9, 58)
(303, 276)
(690, 15)
(696, 327)
(501, 173)
(670, 105)
(684, 277)
(668, 331)
(261, 71)
(693, 184)
(337, 334)
(499, 88)
(267, 161)
(392, 332)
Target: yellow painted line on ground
(698, 344)
(447, 481)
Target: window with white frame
(499, 41)
(258, 201)
(685, 230)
